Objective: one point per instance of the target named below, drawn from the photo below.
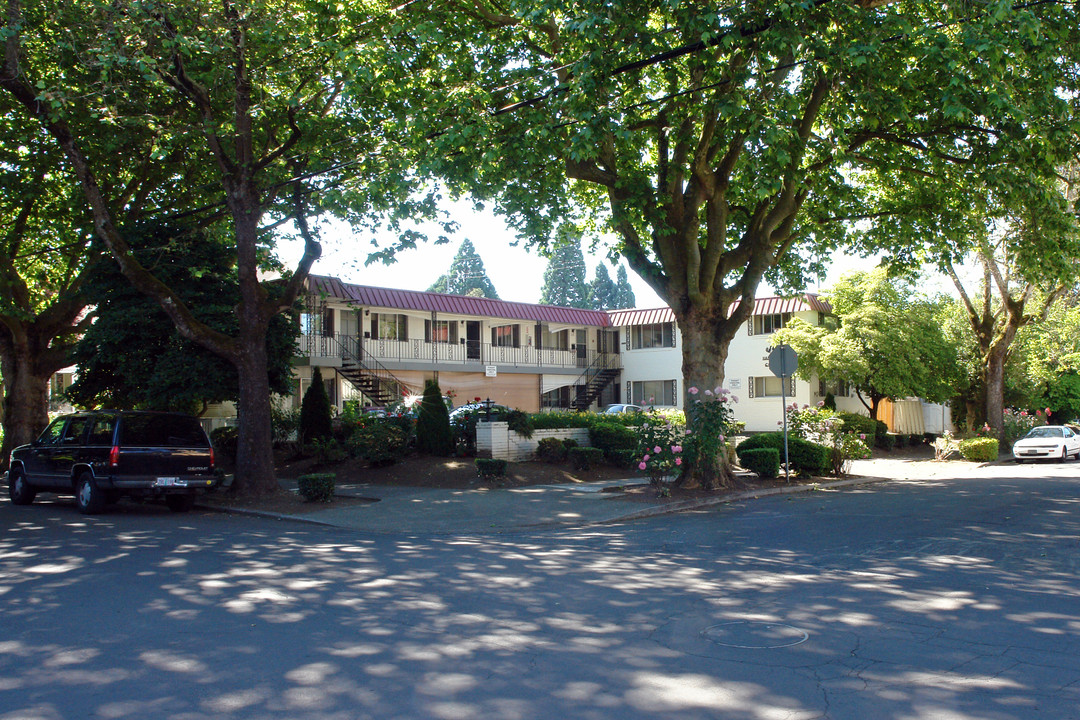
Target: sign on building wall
(491, 370)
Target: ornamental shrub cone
(315, 419)
(433, 435)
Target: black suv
(102, 455)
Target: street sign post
(783, 362)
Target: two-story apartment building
(377, 344)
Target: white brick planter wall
(504, 444)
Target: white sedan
(1047, 441)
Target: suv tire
(19, 490)
(88, 497)
(180, 503)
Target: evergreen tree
(466, 274)
(602, 290)
(433, 435)
(564, 278)
(624, 294)
(315, 420)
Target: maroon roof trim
(762, 306)
(457, 304)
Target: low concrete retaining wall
(502, 443)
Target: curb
(668, 509)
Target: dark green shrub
(489, 468)
(885, 442)
(315, 413)
(979, 449)
(830, 401)
(805, 457)
(765, 462)
(860, 425)
(552, 450)
(519, 421)
(317, 487)
(224, 440)
(327, 451)
(611, 437)
(622, 458)
(569, 443)
(379, 444)
(585, 458)
(284, 425)
(433, 435)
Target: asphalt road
(943, 599)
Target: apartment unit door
(472, 340)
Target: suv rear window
(161, 431)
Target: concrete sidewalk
(495, 510)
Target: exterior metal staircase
(601, 373)
(367, 375)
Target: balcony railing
(445, 353)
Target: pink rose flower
(678, 461)
(657, 450)
(693, 391)
(645, 459)
(642, 466)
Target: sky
(517, 273)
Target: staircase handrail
(366, 361)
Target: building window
(838, 388)
(770, 386)
(766, 324)
(559, 340)
(559, 398)
(506, 336)
(441, 331)
(652, 392)
(389, 326)
(652, 336)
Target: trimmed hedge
(552, 450)
(317, 487)
(805, 456)
(979, 449)
(762, 461)
(380, 444)
(489, 468)
(585, 458)
(612, 437)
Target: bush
(561, 420)
(860, 424)
(379, 444)
(585, 458)
(885, 442)
(284, 425)
(979, 449)
(327, 451)
(519, 421)
(622, 458)
(315, 412)
(489, 468)
(765, 462)
(612, 437)
(433, 435)
(224, 440)
(805, 457)
(317, 487)
(552, 450)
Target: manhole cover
(743, 634)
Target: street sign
(783, 361)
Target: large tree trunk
(254, 451)
(26, 397)
(994, 390)
(705, 342)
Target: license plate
(170, 482)
(1029, 452)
